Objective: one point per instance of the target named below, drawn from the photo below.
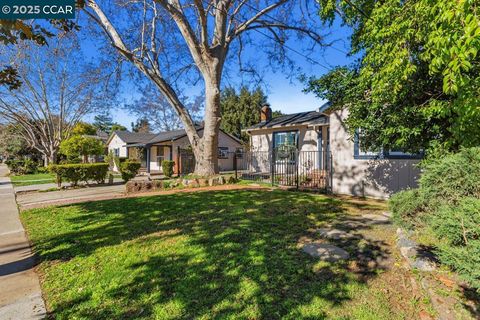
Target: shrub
(167, 167)
(447, 179)
(407, 206)
(458, 228)
(20, 167)
(74, 173)
(129, 169)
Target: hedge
(167, 167)
(20, 167)
(74, 172)
(447, 204)
(129, 169)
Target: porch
(150, 156)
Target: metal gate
(185, 161)
(288, 167)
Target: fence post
(272, 167)
(331, 172)
(297, 165)
(235, 164)
(178, 161)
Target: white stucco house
(326, 150)
(152, 148)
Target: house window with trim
(116, 152)
(288, 138)
(222, 153)
(239, 152)
(359, 152)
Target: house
(152, 148)
(325, 148)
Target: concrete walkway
(42, 199)
(47, 186)
(20, 294)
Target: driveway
(20, 294)
(29, 200)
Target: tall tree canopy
(242, 110)
(59, 87)
(417, 81)
(172, 42)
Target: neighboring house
(354, 172)
(152, 148)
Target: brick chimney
(266, 113)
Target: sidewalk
(20, 294)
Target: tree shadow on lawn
(238, 256)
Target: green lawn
(210, 255)
(31, 179)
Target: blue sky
(284, 94)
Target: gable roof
(142, 139)
(301, 118)
(132, 137)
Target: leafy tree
(83, 128)
(81, 146)
(242, 110)
(105, 123)
(13, 145)
(417, 82)
(117, 127)
(174, 44)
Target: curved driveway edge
(20, 293)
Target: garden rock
(325, 251)
(333, 234)
(412, 254)
(376, 218)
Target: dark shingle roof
(311, 117)
(142, 139)
(134, 137)
(168, 135)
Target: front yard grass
(32, 179)
(213, 255)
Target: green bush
(21, 167)
(448, 179)
(167, 167)
(458, 228)
(447, 204)
(129, 169)
(74, 173)
(407, 206)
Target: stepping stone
(333, 234)
(376, 217)
(325, 252)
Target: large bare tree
(167, 39)
(58, 88)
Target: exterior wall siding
(223, 141)
(262, 140)
(377, 178)
(115, 143)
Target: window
(361, 153)
(116, 152)
(288, 138)
(239, 152)
(398, 154)
(222, 152)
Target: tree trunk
(206, 153)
